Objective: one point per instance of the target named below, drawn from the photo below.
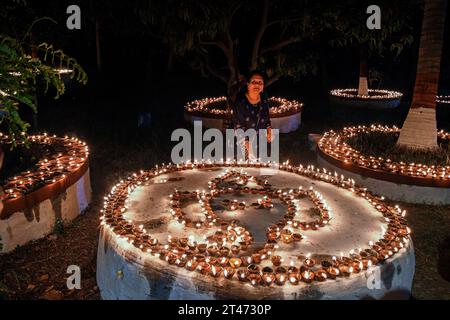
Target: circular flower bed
(377, 98)
(64, 167)
(284, 114)
(335, 150)
(225, 249)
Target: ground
(108, 124)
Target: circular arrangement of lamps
(285, 115)
(334, 148)
(66, 162)
(217, 107)
(443, 99)
(227, 250)
(376, 99)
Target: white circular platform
(124, 271)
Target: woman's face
(255, 85)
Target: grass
(381, 144)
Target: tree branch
(273, 79)
(212, 69)
(259, 35)
(292, 19)
(219, 44)
(280, 45)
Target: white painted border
(17, 230)
(394, 191)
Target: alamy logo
(373, 275)
(74, 280)
(250, 145)
(74, 20)
(374, 20)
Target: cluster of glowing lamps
(334, 144)
(60, 71)
(224, 251)
(443, 99)
(217, 106)
(67, 155)
(374, 94)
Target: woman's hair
(260, 73)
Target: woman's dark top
(251, 116)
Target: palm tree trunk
(419, 129)
(1, 188)
(363, 87)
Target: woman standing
(251, 110)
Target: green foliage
(218, 37)
(22, 67)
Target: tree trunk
(1, 188)
(419, 129)
(363, 87)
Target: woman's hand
(247, 146)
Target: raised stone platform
(392, 190)
(124, 271)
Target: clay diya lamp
(297, 237)
(365, 259)
(286, 236)
(256, 258)
(235, 262)
(345, 269)
(215, 271)
(204, 268)
(191, 265)
(254, 278)
(321, 275)
(383, 255)
(253, 268)
(202, 247)
(357, 266)
(242, 274)
(333, 272)
(307, 275)
(293, 278)
(276, 260)
(228, 272)
(180, 262)
(272, 236)
(199, 258)
(223, 261)
(224, 251)
(241, 205)
(235, 249)
(183, 242)
(246, 260)
(268, 276)
(308, 262)
(280, 276)
(171, 259)
(304, 226)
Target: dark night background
(138, 77)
